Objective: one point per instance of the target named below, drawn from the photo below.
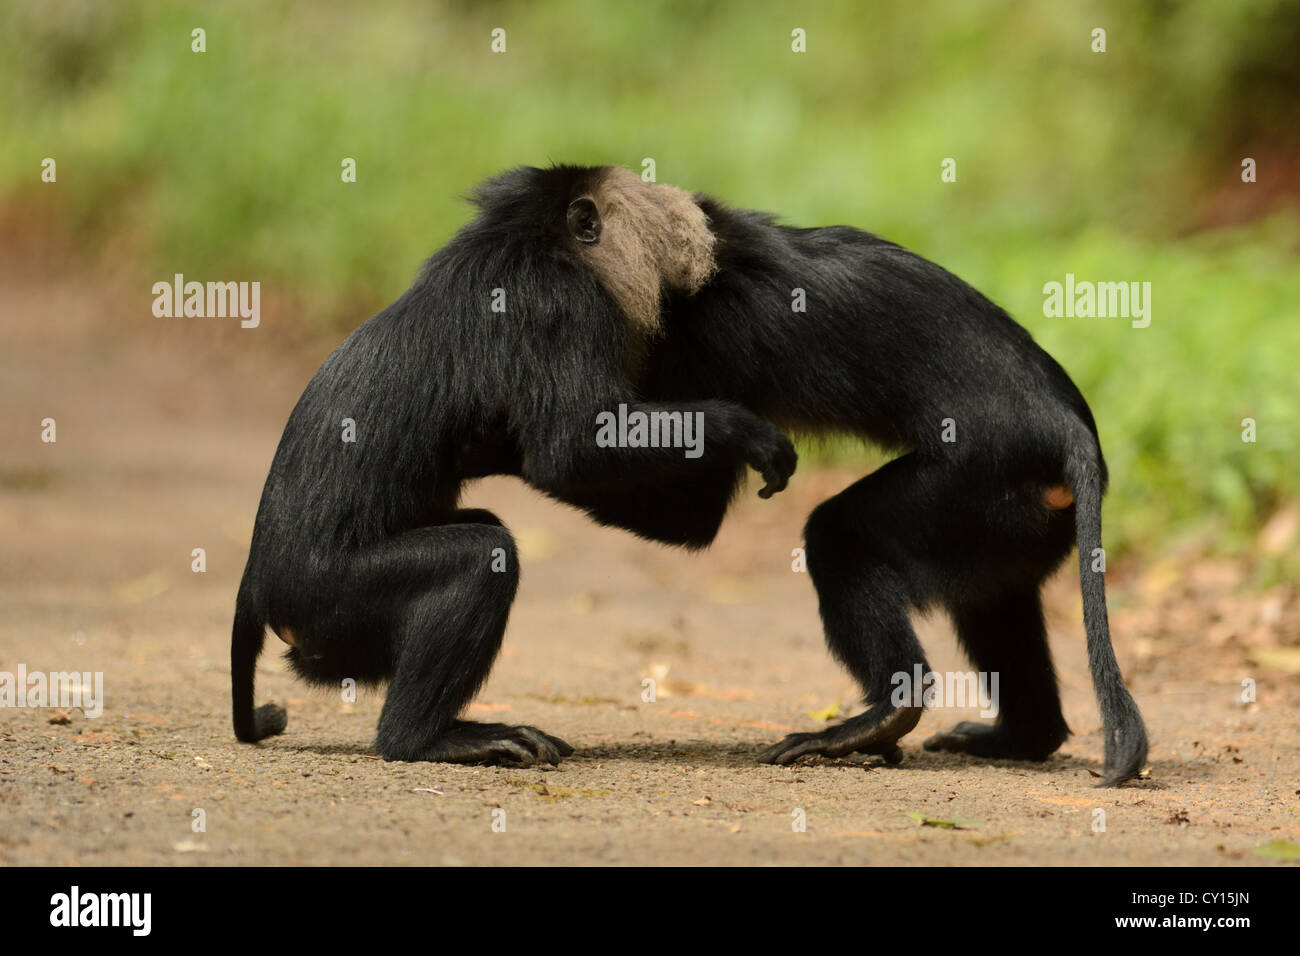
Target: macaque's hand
(773, 456)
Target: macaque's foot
(269, 720)
(875, 732)
(990, 741)
(470, 742)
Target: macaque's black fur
(363, 560)
(360, 555)
(889, 347)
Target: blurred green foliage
(1111, 166)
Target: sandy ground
(165, 431)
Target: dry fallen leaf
(826, 713)
(1279, 850)
(956, 823)
(138, 590)
(1277, 535)
(1282, 658)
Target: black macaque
(895, 349)
(530, 323)
(617, 292)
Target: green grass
(226, 164)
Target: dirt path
(165, 431)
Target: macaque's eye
(584, 220)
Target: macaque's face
(640, 239)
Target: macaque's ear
(584, 220)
